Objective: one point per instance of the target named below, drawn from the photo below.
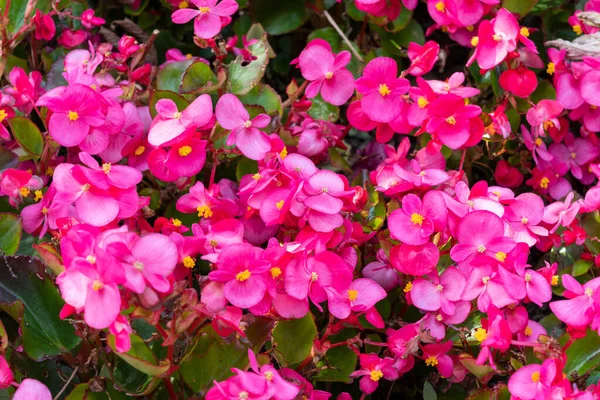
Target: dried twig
(341, 33)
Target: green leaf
(198, 76)
(580, 267)
(328, 34)
(279, 17)
(45, 335)
(10, 233)
(245, 76)
(16, 13)
(521, 7)
(170, 76)
(544, 90)
(429, 392)
(157, 95)
(83, 392)
(265, 96)
(27, 135)
(244, 167)
(320, 109)
(402, 21)
(140, 357)
(339, 362)
(583, 354)
(294, 339)
(413, 32)
(338, 161)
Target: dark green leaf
(140, 357)
(244, 167)
(583, 355)
(521, 7)
(198, 76)
(429, 392)
(10, 233)
(45, 335)
(279, 17)
(320, 109)
(294, 339)
(245, 76)
(265, 96)
(27, 135)
(170, 76)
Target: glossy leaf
(294, 339)
(198, 77)
(583, 354)
(279, 17)
(244, 76)
(265, 96)
(166, 94)
(521, 7)
(171, 75)
(10, 233)
(141, 357)
(27, 135)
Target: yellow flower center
(329, 75)
(528, 277)
(439, 318)
(256, 176)
(501, 256)
(91, 259)
(485, 280)
(243, 276)
(524, 32)
(474, 41)
(247, 124)
(279, 204)
(138, 265)
(535, 377)
(384, 90)
(184, 151)
(417, 219)
(97, 285)
(528, 331)
(480, 334)
(408, 287)
(440, 6)
(431, 361)
(376, 375)
(49, 171)
(44, 210)
(554, 280)
(204, 9)
(538, 142)
(548, 125)
(188, 56)
(177, 115)
(214, 243)
(189, 262)
(422, 102)
(139, 151)
(589, 292)
(176, 222)
(24, 191)
(269, 375)
(524, 221)
(551, 68)
(451, 120)
(73, 116)
(283, 154)
(86, 187)
(275, 272)
(497, 37)
(183, 4)
(577, 29)
(544, 183)
(314, 276)
(352, 294)
(3, 115)
(93, 86)
(481, 248)
(204, 211)
(38, 195)
(106, 168)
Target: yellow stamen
(204, 9)
(279, 204)
(3, 115)
(384, 90)
(49, 171)
(183, 4)
(589, 292)
(485, 280)
(480, 334)
(139, 151)
(138, 265)
(524, 221)
(184, 151)
(189, 262)
(283, 154)
(528, 277)
(204, 211)
(554, 280)
(535, 377)
(188, 56)
(501, 256)
(177, 115)
(548, 125)
(470, 28)
(256, 176)
(474, 41)
(544, 183)
(106, 168)
(417, 219)
(408, 287)
(73, 116)
(497, 37)
(524, 32)
(481, 248)
(431, 361)
(440, 6)
(176, 222)
(352, 294)
(538, 142)
(528, 331)
(422, 102)
(329, 75)
(38, 195)
(24, 191)
(314, 276)
(45, 210)
(551, 68)
(577, 29)
(97, 285)
(376, 375)
(269, 375)
(243, 276)
(247, 124)
(91, 259)
(451, 120)
(275, 272)
(86, 187)
(93, 86)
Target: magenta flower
(208, 18)
(245, 133)
(75, 110)
(381, 89)
(533, 381)
(372, 370)
(439, 292)
(324, 193)
(578, 311)
(496, 39)
(435, 355)
(544, 115)
(44, 26)
(170, 123)
(241, 269)
(30, 389)
(89, 20)
(561, 213)
(422, 58)
(361, 296)
(490, 287)
(450, 120)
(524, 214)
(43, 214)
(416, 221)
(25, 89)
(382, 272)
(327, 71)
(6, 375)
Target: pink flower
(71, 38)
(435, 355)
(440, 292)
(422, 58)
(373, 369)
(170, 123)
(382, 272)
(381, 89)
(245, 133)
(6, 375)
(89, 20)
(416, 221)
(524, 214)
(121, 329)
(327, 72)
(241, 268)
(44, 26)
(533, 381)
(520, 81)
(361, 296)
(496, 39)
(450, 120)
(208, 18)
(543, 116)
(43, 214)
(30, 389)
(578, 311)
(25, 89)
(76, 109)
(324, 193)
(561, 213)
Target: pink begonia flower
(420, 175)
(208, 17)
(481, 232)
(71, 38)
(327, 72)
(536, 286)
(417, 220)
(454, 86)
(450, 120)
(531, 332)
(508, 176)
(589, 114)
(382, 90)
(496, 38)
(574, 154)
(543, 116)
(489, 287)
(422, 58)
(382, 272)
(415, 260)
(533, 381)
(75, 110)
(6, 375)
(323, 192)
(578, 311)
(372, 370)
(30, 389)
(435, 355)
(435, 322)
(494, 334)
(44, 26)
(122, 331)
(245, 133)
(520, 81)
(561, 213)
(466, 200)
(185, 158)
(439, 293)
(89, 20)
(25, 89)
(589, 82)
(170, 123)
(43, 214)
(242, 270)
(523, 215)
(361, 296)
